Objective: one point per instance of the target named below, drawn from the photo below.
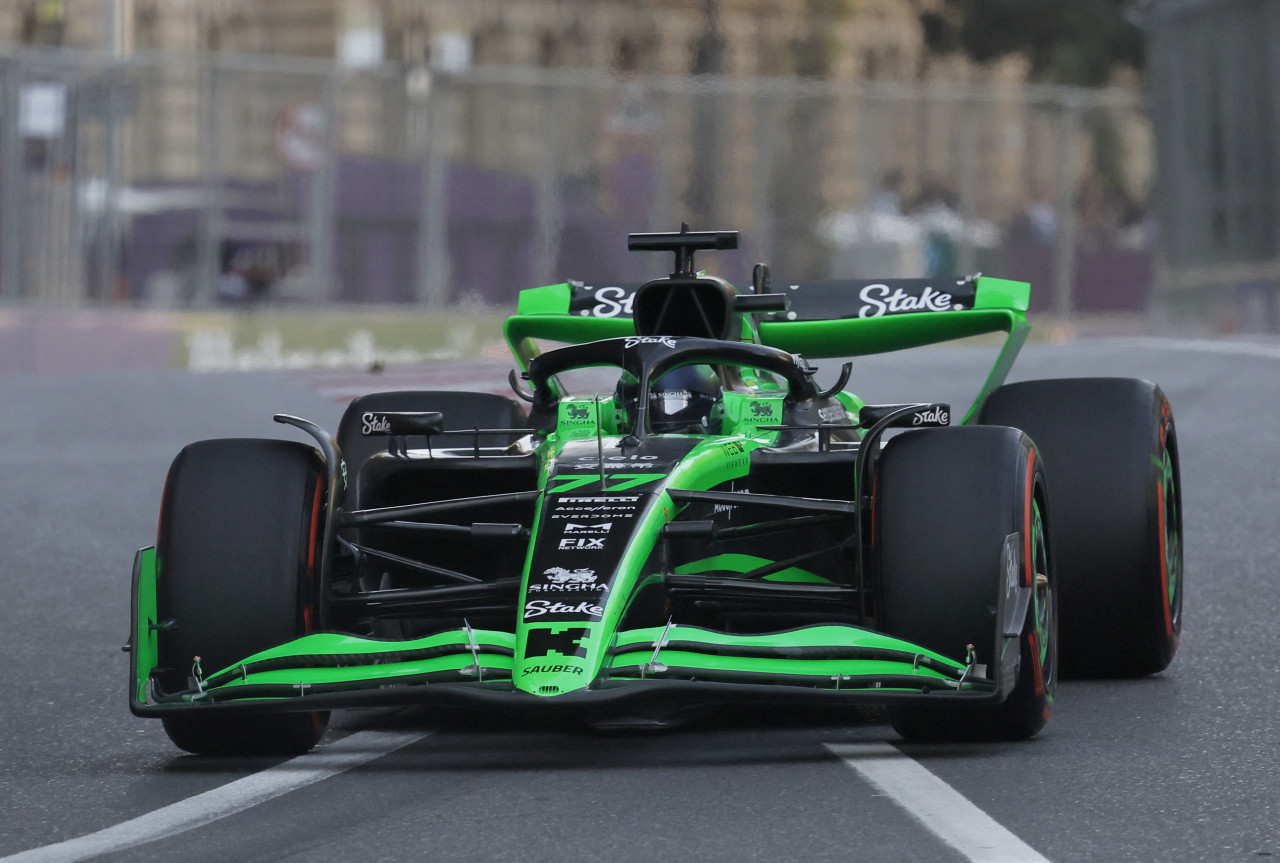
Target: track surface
(1181, 766)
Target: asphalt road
(1181, 766)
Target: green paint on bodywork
(547, 300)
(856, 337)
(613, 482)
(1002, 294)
(741, 563)
(824, 635)
(708, 464)
(144, 643)
(374, 662)
(354, 663)
(1000, 370)
(688, 663)
(683, 656)
(745, 412)
(852, 403)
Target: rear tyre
(945, 501)
(236, 559)
(1111, 453)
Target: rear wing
(843, 318)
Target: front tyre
(237, 559)
(945, 502)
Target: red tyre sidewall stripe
(319, 719)
(307, 622)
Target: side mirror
(761, 281)
(932, 415)
(399, 423)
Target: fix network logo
(583, 543)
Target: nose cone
(555, 659)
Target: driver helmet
(688, 399)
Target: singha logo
(560, 575)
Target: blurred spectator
(887, 200)
(247, 273)
(1102, 210)
(936, 210)
(1028, 244)
(1042, 218)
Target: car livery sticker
(614, 482)
(821, 301)
(555, 650)
(571, 570)
(593, 505)
(809, 301)
(602, 300)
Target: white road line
(225, 800)
(940, 808)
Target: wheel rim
(1046, 643)
(1170, 540)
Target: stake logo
(610, 301)
(371, 423)
(538, 607)
(879, 300)
(632, 341)
(936, 416)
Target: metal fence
(1216, 104)
(219, 180)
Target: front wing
(822, 663)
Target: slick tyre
(945, 502)
(237, 558)
(461, 410)
(1110, 449)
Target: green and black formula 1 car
(671, 514)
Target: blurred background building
(205, 153)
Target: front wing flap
(823, 663)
